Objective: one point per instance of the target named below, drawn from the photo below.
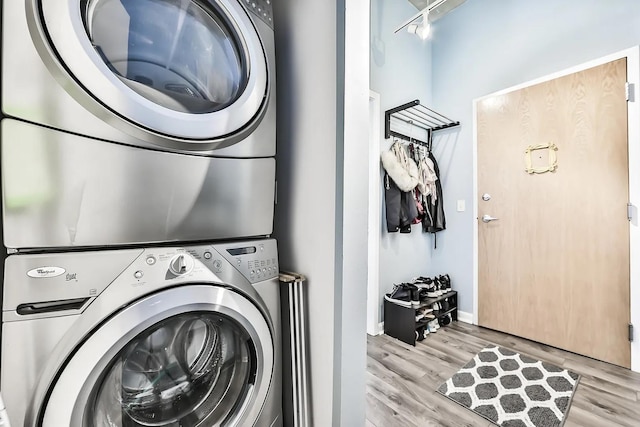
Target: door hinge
(628, 91)
(275, 194)
(630, 332)
(629, 211)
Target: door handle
(488, 218)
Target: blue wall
(400, 72)
(487, 45)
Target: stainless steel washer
(153, 118)
(162, 336)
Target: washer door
(191, 356)
(184, 69)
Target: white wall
(400, 71)
(487, 45)
(354, 192)
(323, 96)
(306, 172)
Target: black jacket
(434, 219)
(400, 207)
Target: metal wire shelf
(414, 114)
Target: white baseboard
(465, 317)
(378, 331)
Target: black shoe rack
(400, 321)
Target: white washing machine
(136, 121)
(163, 336)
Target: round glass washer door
(191, 364)
(188, 69)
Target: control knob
(181, 264)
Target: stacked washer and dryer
(138, 182)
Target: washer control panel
(256, 261)
(262, 8)
(181, 264)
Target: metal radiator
(295, 386)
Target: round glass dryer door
(188, 69)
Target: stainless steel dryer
(135, 121)
(165, 336)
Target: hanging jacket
(434, 219)
(400, 167)
(400, 179)
(400, 207)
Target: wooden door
(554, 267)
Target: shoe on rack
(431, 291)
(445, 304)
(446, 320)
(401, 295)
(415, 293)
(425, 310)
(420, 333)
(436, 281)
(436, 324)
(423, 290)
(446, 280)
(432, 327)
(426, 331)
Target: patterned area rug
(513, 390)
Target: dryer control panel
(262, 8)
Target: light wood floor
(402, 381)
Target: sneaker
(436, 307)
(431, 290)
(400, 295)
(446, 280)
(425, 310)
(445, 304)
(423, 290)
(446, 320)
(415, 293)
(436, 324)
(426, 331)
(438, 286)
(420, 333)
(432, 327)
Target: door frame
(374, 215)
(633, 111)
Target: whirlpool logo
(43, 272)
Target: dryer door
(196, 355)
(191, 70)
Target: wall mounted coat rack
(413, 114)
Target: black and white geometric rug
(513, 390)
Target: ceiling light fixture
(423, 28)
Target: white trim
(475, 212)
(633, 76)
(373, 242)
(466, 317)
